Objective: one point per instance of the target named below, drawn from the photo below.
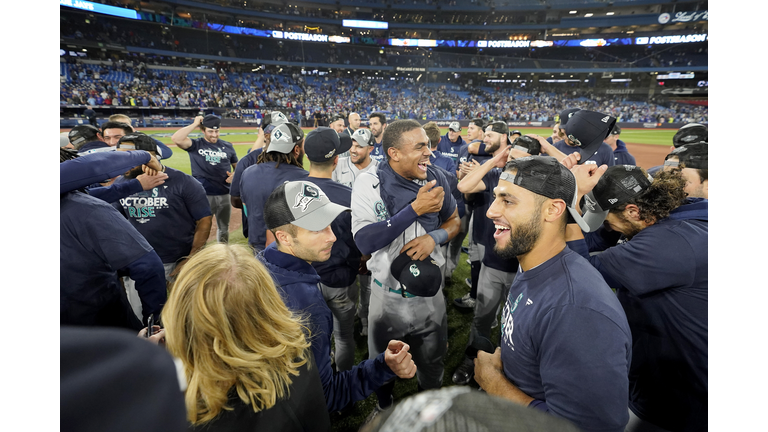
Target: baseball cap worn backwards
(498, 126)
(284, 138)
(417, 278)
(527, 144)
(364, 137)
(544, 175)
(82, 134)
(694, 156)
(587, 130)
(300, 203)
(692, 133)
(137, 141)
(323, 143)
(211, 121)
(619, 185)
(455, 126)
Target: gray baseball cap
(300, 203)
(284, 138)
(364, 137)
(272, 120)
(455, 126)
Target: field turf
(459, 320)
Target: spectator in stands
(246, 359)
(213, 163)
(620, 153)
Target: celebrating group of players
(597, 267)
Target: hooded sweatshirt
(661, 280)
(297, 284)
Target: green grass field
(459, 320)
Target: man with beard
(377, 122)
(496, 273)
(346, 171)
(661, 279)
(403, 211)
(174, 217)
(565, 342)
(213, 162)
(283, 160)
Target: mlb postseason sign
(657, 40)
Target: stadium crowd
(596, 272)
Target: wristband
(439, 235)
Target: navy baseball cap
(566, 115)
(211, 121)
(616, 130)
(418, 278)
(587, 130)
(694, 156)
(516, 132)
(498, 126)
(545, 176)
(323, 143)
(284, 138)
(82, 134)
(527, 144)
(137, 141)
(618, 185)
(478, 122)
(300, 203)
(692, 133)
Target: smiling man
(377, 122)
(565, 342)
(403, 208)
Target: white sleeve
(367, 206)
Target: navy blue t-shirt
(167, 215)
(95, 242)
(340, 271)
(256, 184)
(378, 152)
(210, 164)
(565, 342)
(603, 156)
(247, 160)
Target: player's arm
(259, 143)
(489, 374)
(149, 274)
(94, 168)
(181, 136)
(473, 181)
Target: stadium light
(609, 13)
(572, 12)
(587, 15)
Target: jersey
(378, 153)
(256, 184)
(346, 172)
(565, 342)
(167, 215)
(451, 149)
(210, 164)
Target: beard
(522, 239)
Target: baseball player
(377, 122)
(451, 143)
(404, 208)
(213, 163)
(577, 120)
(621, 155)
(163, 150)
(346, 171)
(175, 218)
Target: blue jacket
(661, 280)
(621, 154)
(297, 283)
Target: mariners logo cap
(284, 138)
(82, 134)
(323, 144)
(455, 126)
(694, 156)
(137, 141)
(544, 175)
(497, 126)
(692, 133)
(273, 120)
(587, 130)
(364, 137)
(566, 115)
(618, 185)
(211, 121)
(300, 203)
(417, 278)
(527, 144)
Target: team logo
(575, 140)
(664, 18)
(381, 211)
(277, 134)
(605, 119)
(415, 270)
(330, 154)
(589, 203)
(613, 200)
(308, 194)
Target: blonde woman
(246, 358)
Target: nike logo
(344, 172)
(376, 185)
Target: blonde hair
(228, 325)
(121, 118)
